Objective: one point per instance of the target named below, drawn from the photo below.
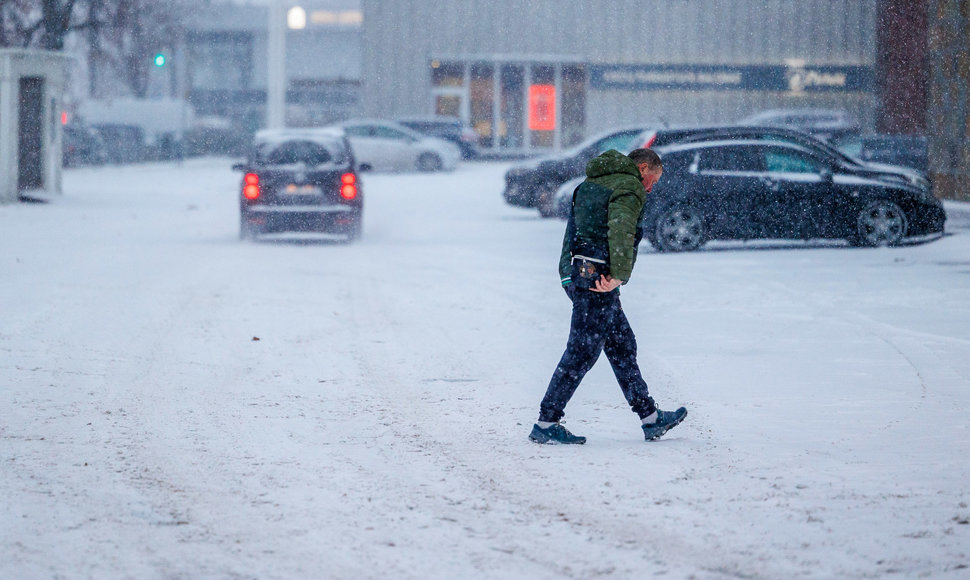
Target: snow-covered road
(177, 404)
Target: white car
(389, 146)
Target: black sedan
(754, 189)
(300, 180)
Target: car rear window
(310, 153)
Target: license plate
(305, 189)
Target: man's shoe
(666, 420)
(556, 433)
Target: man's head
(650, 166)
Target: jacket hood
(611, 162)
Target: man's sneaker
(666, 420)
(555, 433)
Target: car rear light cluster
(251, 186)
(348, 186)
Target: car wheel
(880, 223)
(429, 162)
(355, 231)
(546, 204)
(680, 229)
(247, 231)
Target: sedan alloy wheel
(680, 229)
(881, 223)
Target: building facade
(225, 61)
(544, 74)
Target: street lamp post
(276, 67)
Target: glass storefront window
(481, 100)
(447, 74)
(512, 106)
(543, 75)
(572, 126)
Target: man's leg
(621, 350)
(586, 338)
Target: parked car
(390, 146)
(303, 180)
(536, 183)
(903, 150)
(823, 149)
(81, 145)
(125, 143)
(751, 189)
(533, 183)
(449, 129)
(822, 123)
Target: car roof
(297, 133)
(680, 147)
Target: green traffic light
(159, 60)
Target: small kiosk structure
(31, 85)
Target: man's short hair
(647, 156)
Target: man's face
(649, 177)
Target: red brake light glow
(251, 187)
(348, 186)
(653, 137)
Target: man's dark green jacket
(606, 213)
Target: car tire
(880, 223)
(247, 231)
(679, 229)
(546, 204)
(429, 162)
(356, 229)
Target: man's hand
(606, 284)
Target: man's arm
(624, 211)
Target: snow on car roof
(321, 134)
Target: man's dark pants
(598, 325)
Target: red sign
(542, 107)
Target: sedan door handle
(771, 183)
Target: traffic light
(160, 60)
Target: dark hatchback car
(300, 180)
(449, 129)
(756, 189)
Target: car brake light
(251, 187)
(348, 186)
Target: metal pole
(276, 66)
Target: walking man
(598, 253)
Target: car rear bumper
(300, 218)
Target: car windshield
(310, 153)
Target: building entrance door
(30, 139)
(513, 106)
